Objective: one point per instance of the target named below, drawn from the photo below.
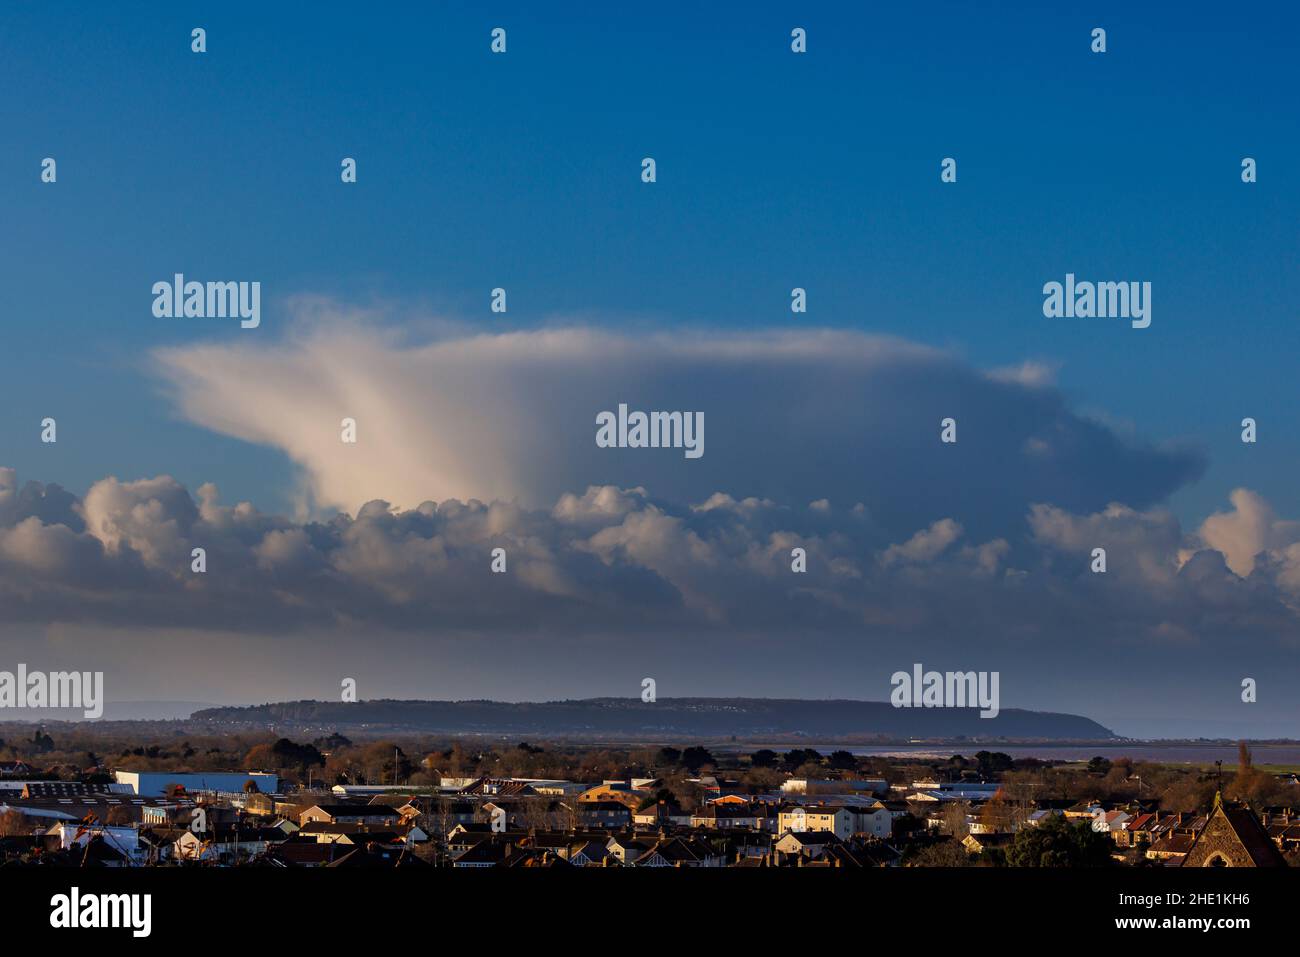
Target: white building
(155, 783)
(834, 785)
(125, 840)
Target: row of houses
(657, 850)
(319, 843)
(225, 842)
(229, 819)
(534, 822)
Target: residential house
(1171, 847)
(408, 834)
(588, 854)
(1109, 822)
(488, 853)
(532, 857)
(303, 854)
(1285, 836)
(627, 850)
(730, 812)
(376, 856)
(464, 836)
(350, 814)
(680, 852)
(261, 805)
(806, 844)
(841, 820)
(612, 815)
(1136, 831)
(661, 814)
(225, 843)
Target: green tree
(843, 761)
(695, 757)
(993, 762)
(946, 853)
(798, 757)
(1058, 842)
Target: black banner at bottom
(186, 905)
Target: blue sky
(774, 171)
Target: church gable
(1233, 837)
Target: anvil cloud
(974, 555)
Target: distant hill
(153, 710)
(669, 717)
